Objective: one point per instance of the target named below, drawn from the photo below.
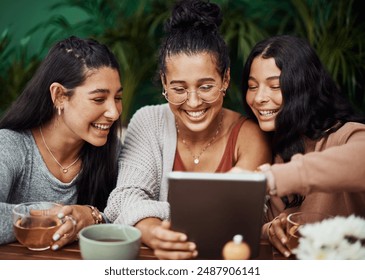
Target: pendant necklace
(64, 169)
(197, 157)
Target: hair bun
(194, 13)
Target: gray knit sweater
(24, 177)
(147, 158)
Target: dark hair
(67, 63)
(312, 107)
(194, 28)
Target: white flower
(339, 238)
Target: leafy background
(133, 30)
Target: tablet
(213, 207)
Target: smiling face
(264, 93)
(94, 106)
(191, 72)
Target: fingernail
(287, 254)
(192, 247)
(195, 254)
(55, 247)
(56, 236)
(183, 238)
(283, 240)
(60, 215)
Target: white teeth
(268, 113)
(195, 114)
(101, 126)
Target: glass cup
(34, 224)
(295, 220)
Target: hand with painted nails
(76, 218)
(167, 244)
(275, 231)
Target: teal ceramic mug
(109, 242)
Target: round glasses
(208, 93)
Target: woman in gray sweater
(193, 132)
(59, 140)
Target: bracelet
(95, 213)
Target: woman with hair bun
(192, 132)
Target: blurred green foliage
(133, 30)
(14, 72)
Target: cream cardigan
(147, 158)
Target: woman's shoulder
(151, 120)
(353, 126)
(15, 142)
(236, 120)
(349, 128)
(158, 108)
(152, 116)
(347, 132)
(12, 137)
(153, 111)
(252, 144)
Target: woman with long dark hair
(59, 141)
(317, 139)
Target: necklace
(64, 169)
(197, 158)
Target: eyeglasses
(208, 93)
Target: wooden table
(16, 251)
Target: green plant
(332, 29)
(241, 30)
(16, 69)
(5, 50)
(134, 40)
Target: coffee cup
(109, 242)
(34, 224)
